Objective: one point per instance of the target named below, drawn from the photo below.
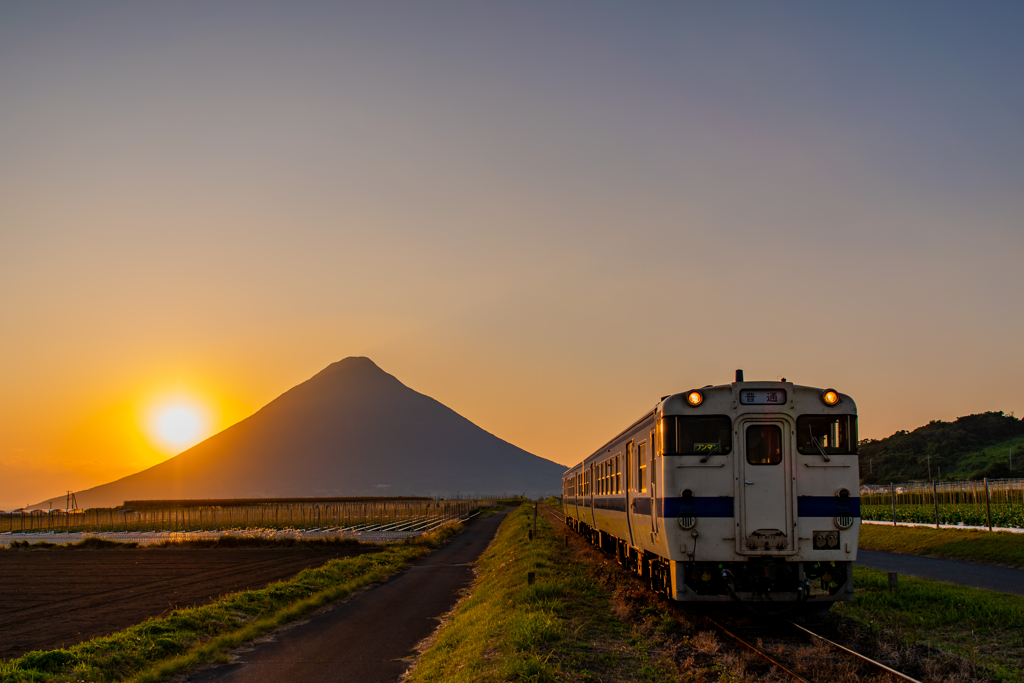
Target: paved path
(987, 576)
(365, 639)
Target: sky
(545, 215)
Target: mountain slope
(352, 429)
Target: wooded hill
(970, 447)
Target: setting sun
(178, 424)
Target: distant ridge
(350, 430)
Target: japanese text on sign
(763, 397)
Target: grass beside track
(161, 647)
(987, 547)
(563, 627)
(984, 627)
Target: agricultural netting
(999, 503)
(179, 516)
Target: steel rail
(764, 655)
(553, 514)
(867, 660)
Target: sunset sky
(546, 215)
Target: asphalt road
(987, 576)
(365, 639)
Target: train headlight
(695, 398)
(830, 397)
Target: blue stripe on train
(824, 506)
(717, 506)
(723, 506)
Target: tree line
(961, 449)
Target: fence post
(988, 506)
(935, 500)
(892, 496)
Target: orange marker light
(830, 397)
(695, 398)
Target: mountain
(970, 447)
(351, 430)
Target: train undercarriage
(764, 582)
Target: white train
(740, 492)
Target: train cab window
(704, 435)
(641, 461)
(764, 445)
(832, 434)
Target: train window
(764, 445)
(618, 476)
(630, 467)
(834, 434)
(641, 461)
(710, 434)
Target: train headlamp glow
(695, 398)
(830, 397)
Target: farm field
(56, 598)
(166, 516)
(999, 503)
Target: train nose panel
(765, 486)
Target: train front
(761, 491)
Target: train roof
(725, 399)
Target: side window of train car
(641, 461)
(829, 434)
(654, 455)
(630, 475)
(618, 474)
(704, 435)
(764, 445)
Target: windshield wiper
(817, 445)
(710, 453)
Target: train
(735, 493)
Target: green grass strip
(984, 627)
(562, 627)
(164, 646)
(988, 547)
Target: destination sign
(763, 397)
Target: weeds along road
(369, 637)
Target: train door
(645, 479)
(590, 495)
(632, 496)
(765, 486)
(653, 473)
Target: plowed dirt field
(56, 598)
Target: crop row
(1010, 515)
(256, 516)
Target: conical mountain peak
(350, 430)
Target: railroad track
(750, 635)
